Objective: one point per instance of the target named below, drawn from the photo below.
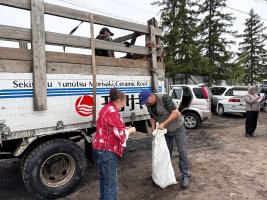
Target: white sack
(162, 170)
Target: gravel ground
(224, 165)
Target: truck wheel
(191, 120)
(54, 169)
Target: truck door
(176, 94)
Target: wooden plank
(15, 54)
(26, 55)
(18, 66)
(10, 32)
(15, 33)
(152, 38)
(22, 4)
(38, 54)
(15, 66)
(81, 16)
(93, 65)
(98, 19)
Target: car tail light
(205, 92)
(234, 100)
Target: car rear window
(236, 92)
(218, 90)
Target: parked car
(194, 102)
(229, 99)
(262, 90)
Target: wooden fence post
(38, 54)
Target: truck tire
(191, 120)
(54, 169)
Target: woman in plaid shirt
(109, 142)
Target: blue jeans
(179, 137)
(107, 164)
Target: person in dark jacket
(252, 111)
(104, 34)
(163, 110)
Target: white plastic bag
(162, 170)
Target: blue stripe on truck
(27, 93)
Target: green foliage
(252, 50)
(213, 44)
(194, 38)
(179, 23)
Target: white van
(194, 102)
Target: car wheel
(191, 120)
(265, 108)
(220, 110)
(54, 169)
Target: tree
(253, 46)
(179, 25)
(213, 29)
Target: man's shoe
(247, 135)
(185, 182)
(252, 135)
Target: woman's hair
(114, 94)
(251, 88)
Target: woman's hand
(131, 130)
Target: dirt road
(224, 165)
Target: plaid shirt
(110, 130)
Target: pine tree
(214, 28)
(179, 22)
(253, 46)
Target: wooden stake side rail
(14, 34)
(21, 66)
(41, 62)
(72, 58)
(70, 13)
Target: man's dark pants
(179, 136)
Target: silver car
(194, 102)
